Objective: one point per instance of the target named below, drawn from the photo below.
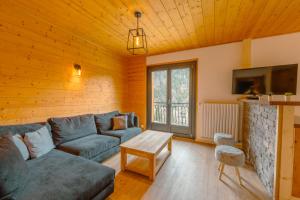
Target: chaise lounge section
(65, 176)
(60, 175)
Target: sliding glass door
(171, 98)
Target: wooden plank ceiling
(170, 25)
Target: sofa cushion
(125, 134)
(69, 128)
(23, 128)
(104, 121)
(89, 146)
(59, 175)
(106, 154)
(13, 168)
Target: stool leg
(221, 171)
(238, 175)
(219, 167)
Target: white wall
(278, 50)
(215, 66)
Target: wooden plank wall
(36, 70)
(137, 93)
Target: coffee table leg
(152, 166)
(170, 145)
(123, 159)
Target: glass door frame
(150, 125)
(177, 130)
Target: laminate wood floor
(189, 173)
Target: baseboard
(205, 140)
(211, 141)
(183, 139)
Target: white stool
(224, 139)
(228, 155)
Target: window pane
(159, 98)
(180, 96)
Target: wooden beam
(246, 53)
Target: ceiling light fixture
(137, 42)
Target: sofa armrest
(136, 121)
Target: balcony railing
(160, 112)
(179, 113)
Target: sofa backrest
(23, 128)
(104, 121)
(66, 129)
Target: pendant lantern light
(137, 42)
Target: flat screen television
(265, 80)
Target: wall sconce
(77, 68)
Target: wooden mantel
(273, 103)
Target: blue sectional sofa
(69, 171)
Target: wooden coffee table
(148, 145)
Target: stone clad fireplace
(259, 134)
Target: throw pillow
(130, 118)
(120, 122)
(13, 169)
(39, 142)
(19, 142)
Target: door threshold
(184, 139)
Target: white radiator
(219, 117)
